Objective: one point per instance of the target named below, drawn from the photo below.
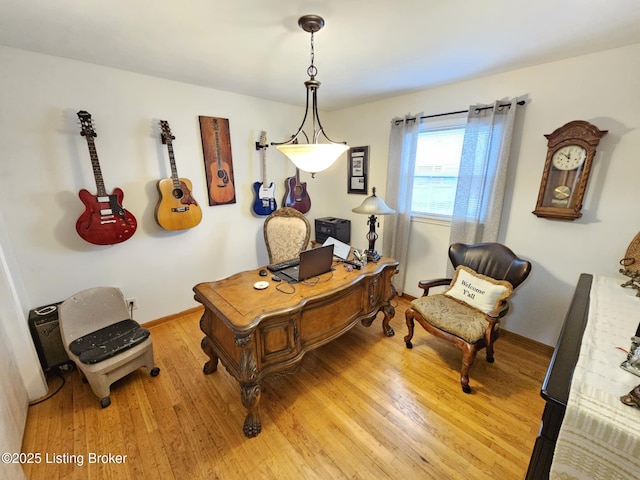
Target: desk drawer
(325, 321)
(277, 340)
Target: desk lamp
(373, 206)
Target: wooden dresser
(557, 383)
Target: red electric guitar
(104, 221)
(296, 195)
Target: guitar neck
(172, 161)
(97, 172)
(217, 135)
(264, 166)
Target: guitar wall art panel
(218, 164)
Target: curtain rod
(520, 102)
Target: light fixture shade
(313, 157)
(374, 205)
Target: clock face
(569, 157)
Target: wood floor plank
(361, 407)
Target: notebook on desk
(312, 263)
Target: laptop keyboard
(276, 267)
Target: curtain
(403, 143)
(483, 170)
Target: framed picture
(357, 173)
(218, 162)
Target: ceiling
(368, 49)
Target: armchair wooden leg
(408, 315)
(490, 353)
(468, 356)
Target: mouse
(263, 273)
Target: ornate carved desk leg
(389, 312)
(250, 389)
(212, 364)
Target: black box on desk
(45, 330)
(338, 228)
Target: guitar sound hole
(177, 193)
(223, 176)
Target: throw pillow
(478, 291)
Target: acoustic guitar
(296, 195)
(176, 209)
(104, 221)
(264, 199)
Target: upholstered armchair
(468, 312)
(286, 234)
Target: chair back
(91, 310)
(491, 259)
(286, 234)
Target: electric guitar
(176, 209)
(104, 221)
(265, 202)
(221, 188)
(296, 195)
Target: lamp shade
(313, 157)
(374, 205)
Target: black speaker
(45, 330)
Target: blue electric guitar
(265, 201)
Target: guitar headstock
(165, 132)
(86, 125)
(262, 143)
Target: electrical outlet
(132, 303)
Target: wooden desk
(255, 333)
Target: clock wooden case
(570, 152)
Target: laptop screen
(312, 263)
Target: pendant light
(311, 156)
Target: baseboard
(168, 318)
(528, 342)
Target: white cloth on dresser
(600, 436)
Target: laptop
(312, 263)
(340, 249)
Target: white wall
(15, 377)
(600, 88)
(46, 162)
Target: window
(435, 177)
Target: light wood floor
(361, 407)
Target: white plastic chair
(98, 310)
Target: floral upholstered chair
(468, 312)
(286, 234)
